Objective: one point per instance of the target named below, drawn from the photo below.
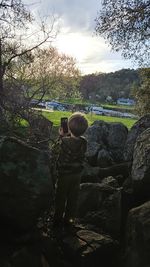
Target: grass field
(121, 107)
(56, 115)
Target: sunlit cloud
(91, 52)
(76, 21)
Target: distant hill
(115, 84)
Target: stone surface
(40, 129)
(141, 165)
(90, 174)
(138, 237)
(140, 126)
(100, 205)
(25, 183)
(110, 181)
(92, 152)
(104, 158)
(105, 143)
(88, 248)
(117, 135)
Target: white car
(49, 106)
(97, 110)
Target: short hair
(77, 124)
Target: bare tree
(17, 39)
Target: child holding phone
(70, 166)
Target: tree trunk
(1, 72)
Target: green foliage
(53, 74)
(125, 24)
(28, 69)
(142, 93)
(96, 87)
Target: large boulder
(117, 135)
(98, 131)
(140, 126)
(105, 143)
(90, 174)
(40, 129)
(25, 183)
(100, 205)
(141, 165)
(89, 248)
(95, 174)
(104, 158)
(93, 149)
(138, 237)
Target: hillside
(115, 84)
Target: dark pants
(66, 196)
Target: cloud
(92, 53)
(76, 38)
(75, 13)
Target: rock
(90, 174)
(105, 143)
(117, 135)
(117, 155)
(97, 132)
(116, 141)
(110, 181)
(27, 256)
(104, 159)
(141, 165)
(88, 248)
(123, 169)
(92, 152)
(138, 237)
(40, 130)
(140, 126)
(25, 183)
(100, 205)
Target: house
(125, 101)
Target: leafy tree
(126, 26)
(48, 73)
(88, 85)
(142, 92)
(58, 71)
(115, 84)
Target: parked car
(35, 103)
(54, 106)
(41, 104)
(125, 101)
(97, 110)
(49, 106)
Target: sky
(77, 38)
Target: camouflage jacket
(69, 154)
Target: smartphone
(64, 124)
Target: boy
(70, 165)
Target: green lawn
(124, 107)
(56, 115)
